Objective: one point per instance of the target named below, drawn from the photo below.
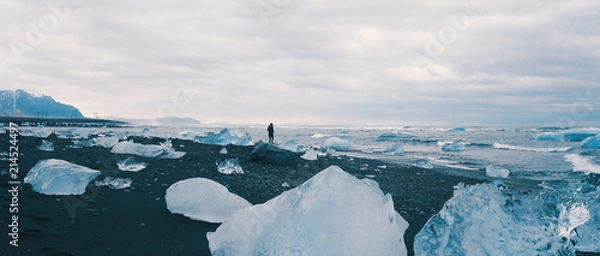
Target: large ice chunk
(46, 146)
(59, 177)
(131, 165)
(164, 151)
(229, 166)
(333, 213)
(591, 143)
(203, 199)
(337, 143)
(491, 219)
(225, 137)
(496, 171)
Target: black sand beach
(136, 221)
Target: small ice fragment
(223, 151)
(130, 165)
(229, 166)
(114, 183)
(310, 155)
(423, 163)
(46, 146)
(285, 185)
(496, 172)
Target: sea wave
(582, 163)
(543, 150)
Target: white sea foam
(582, 164)
(542, 150)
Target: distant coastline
(82, 122)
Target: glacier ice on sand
(229, 166)
(163, 151)
(333, 213)
(203, 199)
(59, 177)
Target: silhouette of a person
(271, 131)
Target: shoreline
(105, 221)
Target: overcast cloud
(311, 62)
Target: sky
(311, 62)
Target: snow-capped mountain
(19, 103)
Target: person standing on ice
(271, 131)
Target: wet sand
(136, 221)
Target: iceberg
(496, 172)
(224, 138)
(591, 143)
(582, 164)
(310, 155)
(114, 183)
(229, 166)
(549, 136)
(337, 144)
(453, 146)
(131, 165)
(46, 146)
(203, 199)
(59, 177)
(578, 135)
(458, 129)
(164, 151)
(395, 135)
(395, 149)
(491, 219)
(333, 213)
